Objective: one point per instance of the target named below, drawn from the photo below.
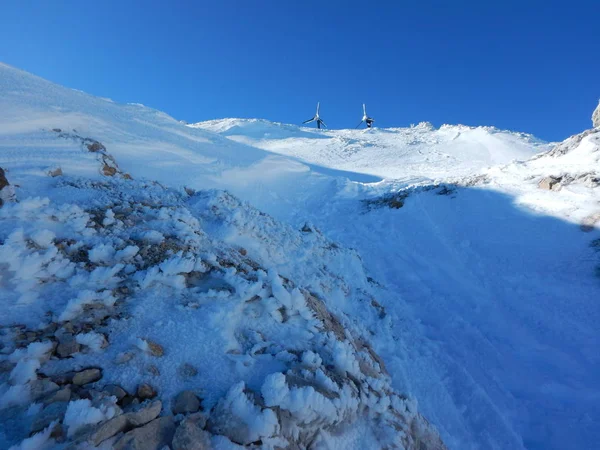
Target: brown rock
(87, 376)
(145, 391)
(155, 349)
(143, 413)
(95, 146)
(108, 171)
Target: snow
(81, 413)
(486, 289)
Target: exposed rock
(145, 391)
(62, 395)
(568, 144)
(108, 170)
(6, 190)
(190, 436)
(87, 376)
(116, 391)
(155, 349)
(330, 322)
(549, 183)
(225, 420)
(144, 413)
(67, 345)
(185, 402)
(52, 412)
(125, 357)
(153, 370)
(596, 116)
(108, 429)
(3, 181)
(56, 130)
(153, 436)
(589, 222)
(55, 172)
(188, 371)
(63, 378)
(94, 146)
(41, 388)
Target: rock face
(3, 180)
(596, 116)
(549, 183)
(5, 187)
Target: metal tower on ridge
(366, 119)
(316, 118)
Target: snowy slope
(484, 286)
(392, 153)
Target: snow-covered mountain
(455, 269)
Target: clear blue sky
(531, 66)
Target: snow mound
(256, 329)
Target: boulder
(185, 402)
(189, 436)
(153, 436)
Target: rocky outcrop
(596, 116)
(326, 380)
(6, 190)
(108, 164)
(549, 183)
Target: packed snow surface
(487, 285)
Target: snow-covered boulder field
(131, 319)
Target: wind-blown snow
(488, 287)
